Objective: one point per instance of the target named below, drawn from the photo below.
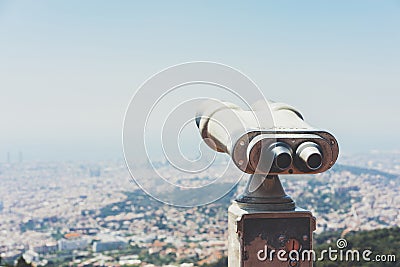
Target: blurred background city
(91, 214)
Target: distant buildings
(48, 247)
(31, 256)
(109, 242)
(72, 244)
(50, 201)
(11, 255)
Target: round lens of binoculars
(281, 155)
(310, 155)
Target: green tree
(22, 263)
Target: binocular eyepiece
(310, 155)
(281, 155)
(286, 145)
(307, 157)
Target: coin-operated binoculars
(265, 226)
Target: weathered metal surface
(257, 238)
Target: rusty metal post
(264, 222)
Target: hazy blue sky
(69, 68)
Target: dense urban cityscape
(92, 214)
